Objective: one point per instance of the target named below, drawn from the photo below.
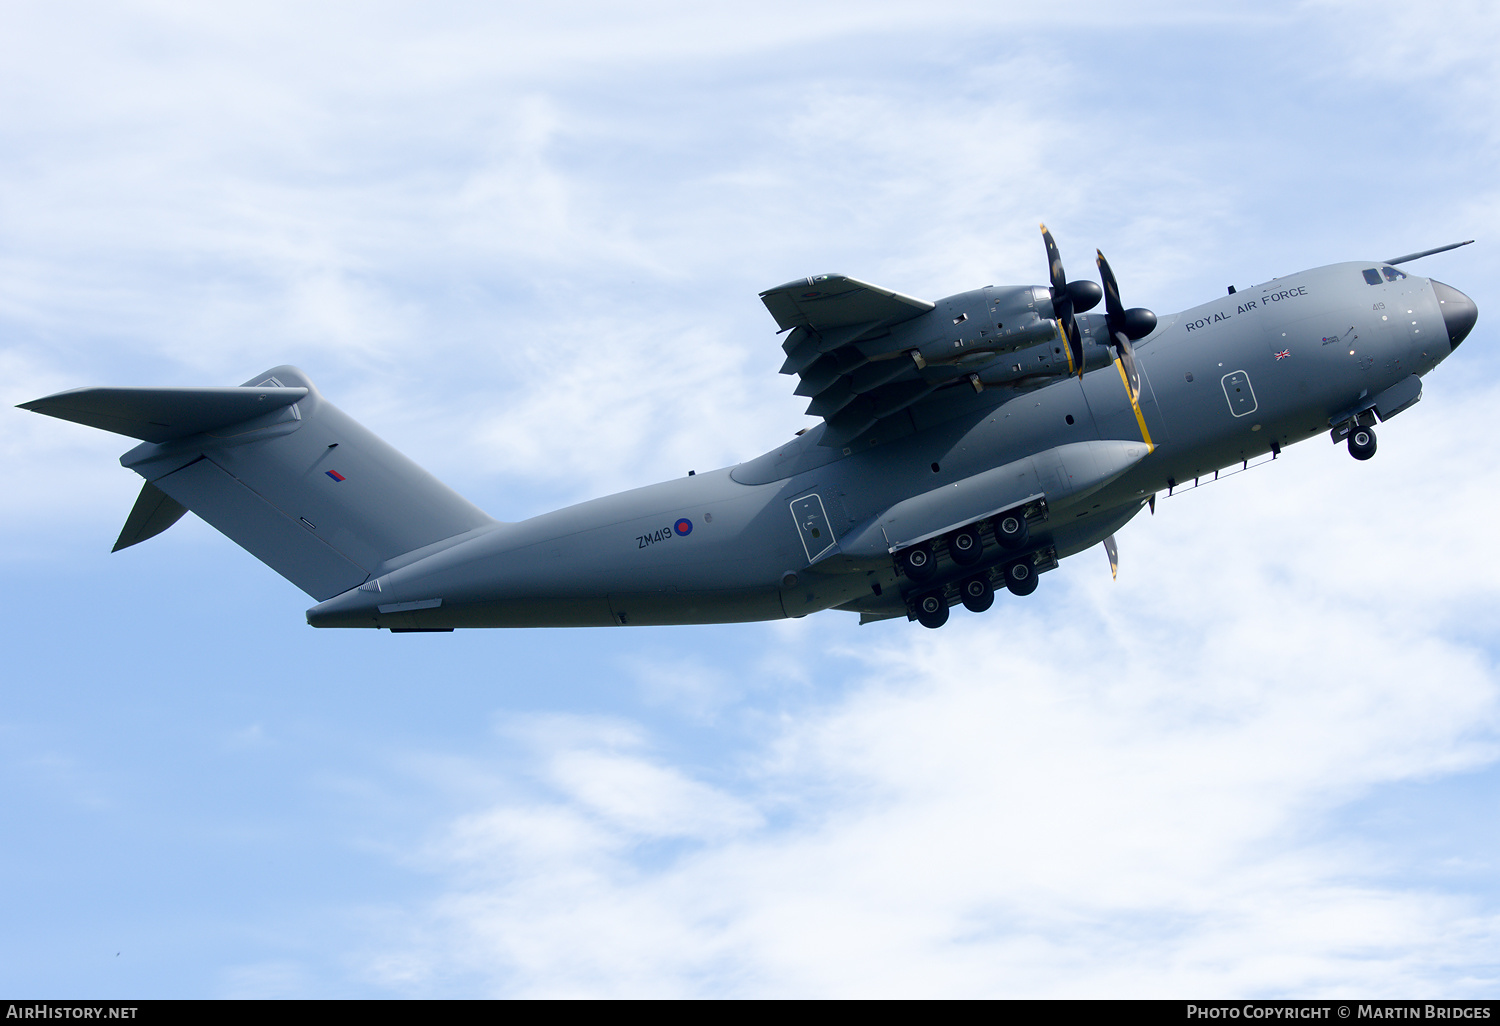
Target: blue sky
(524, 246)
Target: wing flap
(801, 358)
(841, 345)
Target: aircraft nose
(1459, 312)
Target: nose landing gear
(1362, 443)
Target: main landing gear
(1362, 442)
(1020, 577)
(965, 545)
(1011, 531)
(917, 563)
(977, 594)
(976, 570)
(932, 610)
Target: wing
(853, 367)
(830, 301)
(867, 355)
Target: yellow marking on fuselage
(1067, 347)
(1135, 404)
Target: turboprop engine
(1009, 335)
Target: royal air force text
(1250, 304)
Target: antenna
(1427, 252)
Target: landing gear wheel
(965, 546)
(917, 563)
(1362, 443)
(1011, 531)
(1020, 578)
(932, 610)
(977, 594)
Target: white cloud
(1125, 789)
(1114, 788)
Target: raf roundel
(683, 527)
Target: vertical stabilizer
(283, 472)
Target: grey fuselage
(1221, 384)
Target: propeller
(1125, 326)
(1068, 298)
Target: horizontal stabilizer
(162, 414)
(153, 513)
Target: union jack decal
(1284, 353)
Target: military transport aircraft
(966, 444)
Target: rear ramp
(287, 475)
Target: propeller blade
(1113, 308)
(1054, 266)
(1113, 552)
(1124, 325)
(1062, 302)
(1135, 323)
(1075, 344)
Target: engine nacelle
(989, 321)
(1040, 365)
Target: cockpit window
(1391, 274)
(1372, 276)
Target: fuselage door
(1237, 390)
(812, 526)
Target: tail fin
(283, 472)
